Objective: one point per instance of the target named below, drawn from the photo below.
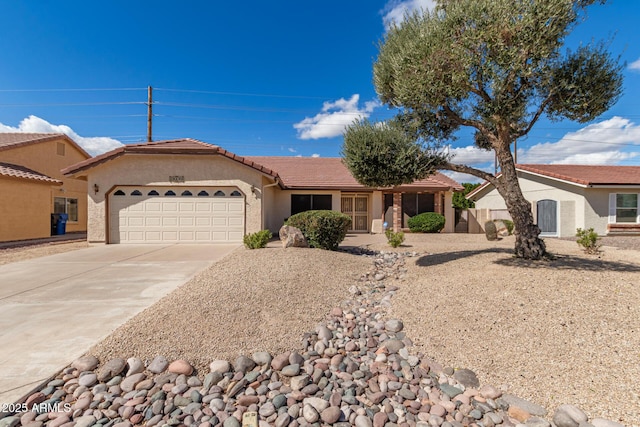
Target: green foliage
(323, 229)
(394, 239)
(383, 155)
(509, 225)
(459, 201)
(257, 240)
(588, 239)
(428, 222)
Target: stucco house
(33, 186)
(566, 197)
(190, 191)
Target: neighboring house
(33, 187)
(566, 197)
(190, 191)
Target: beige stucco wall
(42, 157)
(281, 208)
(24, 211)
(155, 169)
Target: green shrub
(428, 222)
(323, 229)
(588, 239)
(394, 239)
(257, 240)
(509, 224)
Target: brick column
(397, 212)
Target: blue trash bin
(61, 227)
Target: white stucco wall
(579, 207)
(154, 169)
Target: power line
(264, 95)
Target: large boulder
(292, 237)
(490, 230)
(501, 228)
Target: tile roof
(331, 173)
(10, 140)
(587, 175)
(292, 172)
(174, 146)
(17, 171)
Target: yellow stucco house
(33, 186)
(188, 191)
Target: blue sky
(257, 78)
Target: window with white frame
(66, 205)
(624, 208)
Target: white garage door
(176, 214)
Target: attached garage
(153, 214)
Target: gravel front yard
(552, 332)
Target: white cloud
(599, 143)
(635, 65)
(292, 150)
(334, 118)
(462, 177)
(315, 155)
(395, 10)
(471, 155)
(92, 145)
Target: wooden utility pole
(149, 113)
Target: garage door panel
(180, 218)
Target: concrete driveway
(53, 309)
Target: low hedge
(427, 222)
(323, 229)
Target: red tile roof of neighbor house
(17, 171)
(587, 175)
(10, 140)
(331, 173)
(582, 175)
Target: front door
(548, 217)
(357, 207)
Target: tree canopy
(494, 66)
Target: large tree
(494, 66)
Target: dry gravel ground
(23, 253)
(553, 332)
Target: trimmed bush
(509, 224)
(394, 239)
(323, 229)
(428, 222)
(257, 240)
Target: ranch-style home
(566, 197)
(33, 187)
(190, 191)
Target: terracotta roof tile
(331, 173)
(17, 171)
(588, 174)
(174, 146)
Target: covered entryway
(547, 217)
(357, 207)
(148, 214)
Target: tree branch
(471, 171)
(535, 118)
(465, 122)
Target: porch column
(397, 212)
(437, 203)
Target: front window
(67, 206)
(626, 207)
(310, 202)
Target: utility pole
(149, 113)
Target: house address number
(176, 178)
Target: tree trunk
(528, 244)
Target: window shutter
(612, 208)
